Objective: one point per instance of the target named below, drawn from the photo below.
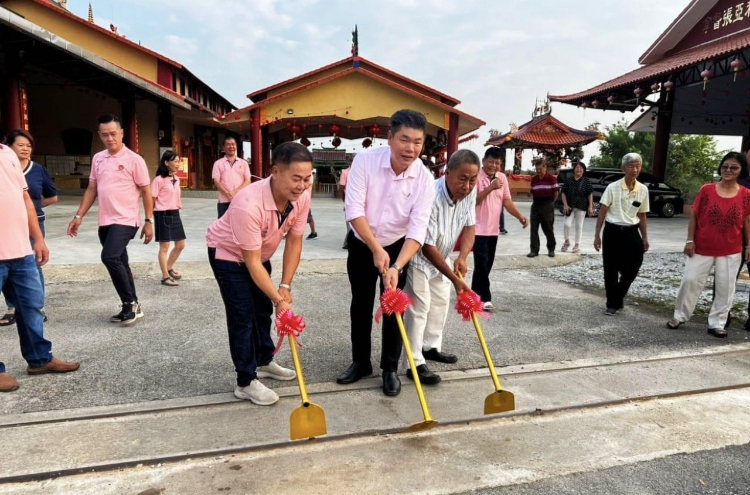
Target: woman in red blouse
(720, 212)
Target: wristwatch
(285, 286)
(396, 267)
(149, 220)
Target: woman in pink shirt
(168, 226)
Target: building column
(130, 123)
(265, 138)
(256, 153)
(661, 140)
(452, 134)
(11, 113)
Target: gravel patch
(657, 282)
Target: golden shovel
(307, 420)
(500, 400)
(428, 421)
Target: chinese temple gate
(352, 98)
(554, 140)
(692, 79)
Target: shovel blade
(307, 421)
(423, 426)
(499, 401)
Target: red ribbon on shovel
(288, 323)
(393, 301)
(469, 302)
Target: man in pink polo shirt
(240, 246)
(19, 275)
(389, 195)
(230, 174)
(493, 194)
(119, 177)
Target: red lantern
(638, 92)
(374, 130)
(706, 75)
(295, 130)
(595, 103)
(335, 130)
(611, 99)
(655, 87)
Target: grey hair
(462, 157)
(631, 158)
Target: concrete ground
(150, 396)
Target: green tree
(619, 142)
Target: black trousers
(542, 215)
(114, 240)
(362, 278)
(221, 208)
(622, 256)
(484, 256)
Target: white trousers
(697, 269)
(425, 320)
(576, 217)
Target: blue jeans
(484, 257)
(249, 313)
(41, 274)
(19, 280)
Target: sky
(497, 57)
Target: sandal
(674, 323)
(576, 249)
(8, 319)
(169, 281)
(174, 274)
(565, 246)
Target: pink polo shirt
(393, 205)
(119, 179)
(252, 223)
(167, 193)
(14, 241)
(344, 176)
(488, 212)
(231, 175)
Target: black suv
(665, 200)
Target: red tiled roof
(665, 66)
(350, 62)
(123, 39)
(366, 73)
(544, 131)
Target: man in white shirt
(624, 205)
(429, 276)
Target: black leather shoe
(718, 332)
(353, 373)
(440, 357)
(391, 384)
(426, 376)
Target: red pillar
(11, 114)
(452, 134)
(661, 140)
(130, 124)
(256, 153)
(265, 139)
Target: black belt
(620, 227)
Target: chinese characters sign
(723, 19)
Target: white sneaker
(257, 393)
(273, 370)
(137, 310)
(488, 306)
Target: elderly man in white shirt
(623, 208)
(429, 276)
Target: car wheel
(667, 210)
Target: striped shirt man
(544, 189)
(447, 221)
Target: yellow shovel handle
(298, 369)
(407, 349)
(485, 350)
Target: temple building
(692, 80)
(59, 72)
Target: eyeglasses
(734, 168)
